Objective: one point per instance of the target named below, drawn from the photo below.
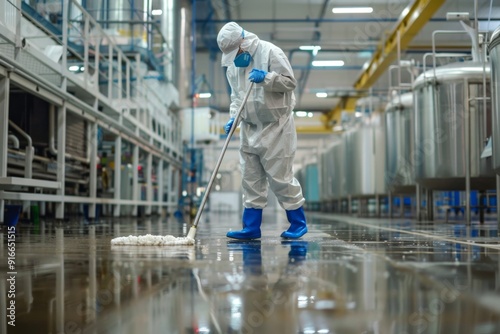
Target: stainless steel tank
(325, 177)
(399, 143)
(322, 172)
(332, 172)
(494, 50)
(337, 171)
(364, 157)
(441, 97)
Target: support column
(135, 179)
(467, 119)
(93, 169)
(430, 204)
(149, 184)
(118, 175)
(170, 184)
(4, 132)
(65, 36)
(92, 307)
(61, 158)
(160, 184)
(60, 281)
(418, 199)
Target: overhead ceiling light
(310, 114)
(328, 63)
(352, 10)
(156, 12)
(321, 95)
(310, 47)
(365, 54)
(338, 128)
(313, 48)
(74, 68)
(205, 95)
(301, 113)
(405, 11)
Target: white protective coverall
(268, 135)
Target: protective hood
(230, 37)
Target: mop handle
(221, 156)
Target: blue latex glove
(228, 125)
(257, 75)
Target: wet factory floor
(347, 275)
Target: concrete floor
(347, 275)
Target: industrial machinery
(494, 50)
(88, 79)
(452, 128)
(352, 168)
(399, 142)
(364, 157)
(308, 179)
(201, 123)
(449, 101)
(29, 117)
(331, 176)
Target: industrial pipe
(29, 150)
(21, 132)
(14, 140)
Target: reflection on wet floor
(346, 276)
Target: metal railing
(70, 61)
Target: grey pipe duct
(14, 140)
(28, 166)
(21, 132)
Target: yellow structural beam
(313, 130)
(333, 117)
(418, 14)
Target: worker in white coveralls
(268, 136)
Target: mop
(169, 240)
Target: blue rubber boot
(297, 221)
(252, 218)
(298, 250)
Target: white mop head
(152, 240)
